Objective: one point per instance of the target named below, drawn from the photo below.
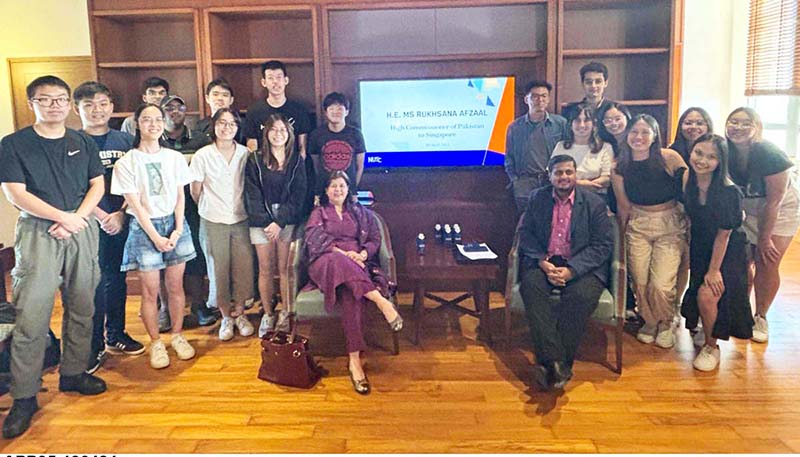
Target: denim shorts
(141, 254)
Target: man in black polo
(179, 137)
(54, 176)
(219, 94)
(594, 80)
(530, 140)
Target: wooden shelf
(260, 60)
(606, 4)
(157, 64)
(267, 12)
(125, 114)
(621, 52)
(642, 102)
(154, 15)
(438, 58)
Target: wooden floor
(452, 395)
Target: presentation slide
(436, 122)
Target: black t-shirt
(336, 152)
(258, 112)
(112, 146)
(765, 159)
(55, 170)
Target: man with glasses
(54, 176)
(179, 137)
(530, 140)
(154, 90)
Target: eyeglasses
(740, 125)
(170, 109)
(226, 124)
(47, 102)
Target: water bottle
(447, 236)
(437, 232)
(421, 244)
(456, 233)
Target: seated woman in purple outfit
(342, 243)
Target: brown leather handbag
(286, 359)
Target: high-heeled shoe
(361, 386)
(397, 324)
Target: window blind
(773, 48)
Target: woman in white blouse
(592, 155)
(218, 187)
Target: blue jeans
(111, 293)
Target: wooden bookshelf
(330, 45)
(131, 45)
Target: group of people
(97, 203)
(176, 204)
(713, 213)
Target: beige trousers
(655, 241)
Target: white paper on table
(482, 255)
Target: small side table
(439, 264)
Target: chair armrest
(512, 277)
(293, 273)
(618, 278)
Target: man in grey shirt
(530, 140)
(154, 90)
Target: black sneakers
(124, 344)
(19, 418)
(205, 316)
(96, 360)
(84, 384)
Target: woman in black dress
(718, 283)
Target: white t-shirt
(222, 199)
(157, 178)
(590, 166)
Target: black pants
(112, 292)
(557, 323)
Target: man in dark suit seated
(565, 247)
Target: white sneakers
(647, 334)
(267, 324)
(158, 352)
(760, 329)
(226, 329)
(666, 335)
(244, 326)
(158, 355)
(182, 347)
(662, 334)
(707, 359)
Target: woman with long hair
(718, 286)
(771, 205)
(592, 154)
(613, 124)
(645, 182)
(275, 192)
(152, 178)
(342, 243)
(218, 189)
(693, 123)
